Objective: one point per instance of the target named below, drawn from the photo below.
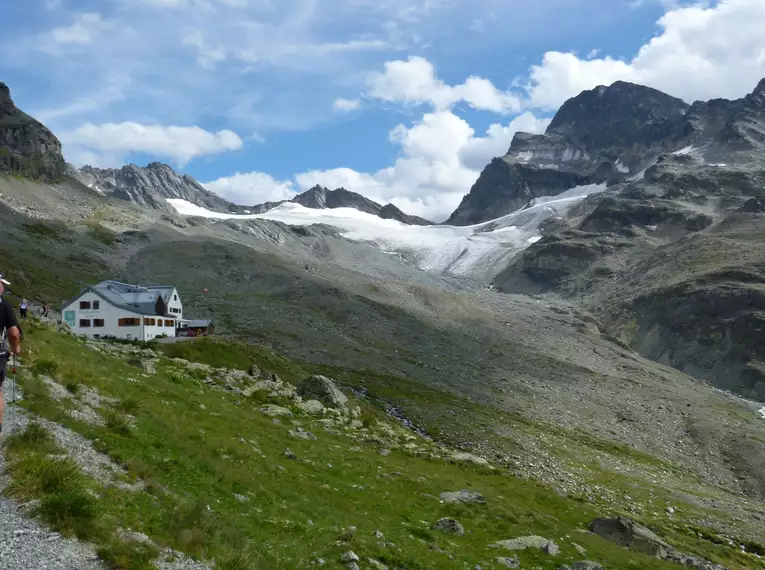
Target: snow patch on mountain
(458, 250)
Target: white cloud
(85, 29)
(251, 188)
(118, 139)
(342, 104)
(701, 53)
(440, 159)
(414, 81)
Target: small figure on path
(45, 310)
(23, 308)
(10, 341)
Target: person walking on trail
(45, 310)
(23, 308)
(10, 341)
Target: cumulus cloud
(119, 139)
(251, 188)
(413, 81)
(344, 105)
(440, 158)
(702, 52)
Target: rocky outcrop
(150, 186)
(320, 197)
(391, 212)
(629, 534)
(27, 147)
(322, 389)
(604, 135)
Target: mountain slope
(672, 261)
(151, 186)
(601, 135)
(27, 147)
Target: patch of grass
(128, 555)
(45, 366)
(65, 500)
(49, 230)
(116, 421)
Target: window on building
(168, 323)
(84, 323)
(175, 297)
(98, 322)
(96, 305)
(129, 322)
(84, 305)
(149, 322)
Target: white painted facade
(174, 305)
(93, 316)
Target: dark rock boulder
(322, 389)
(27, 147)
(629, 534)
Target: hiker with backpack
(10, 341)
(23, 308)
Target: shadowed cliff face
(27, 147)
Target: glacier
(456, 250)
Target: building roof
(198, 323)
(133, 298)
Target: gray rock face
(600, 136)
(27, 147)
(150, 186)
(322, 389)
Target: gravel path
(24, 543)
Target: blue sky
(401, 100)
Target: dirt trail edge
(24, 543)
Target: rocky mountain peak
(151, 186)
(610, 119)
(27, 147)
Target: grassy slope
(195, 447)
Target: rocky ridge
(151, 186)
(320, 198)
(27, 147)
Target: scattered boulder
(508, 562)
(376, 564)
(581, 565)
(149, 366)
(322, 389)
(628, 533)
(463, 496)
(463, 457)
(523, 542)
(255, 371)
(349, 556)
(289, 454)
(273, 410)
(300, 433)
(449, 525)
(313, 407)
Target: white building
(117, 310)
